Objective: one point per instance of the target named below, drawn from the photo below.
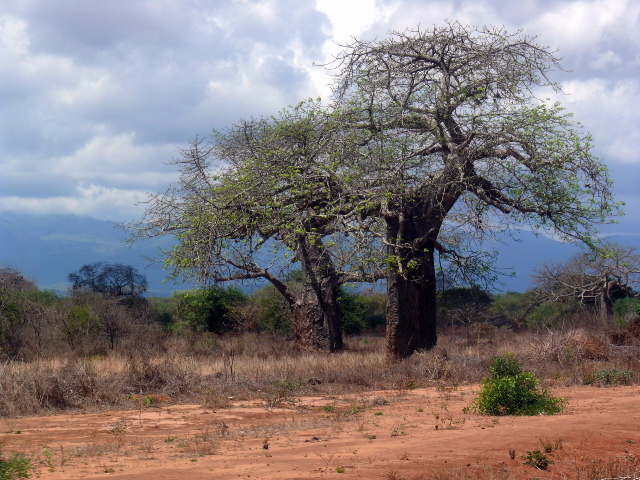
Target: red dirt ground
(413, 434)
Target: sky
(97, 96)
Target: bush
(270, 311)
(511, 391)
(354, 309)
(624, 307)
(17, 466)
(210, 309)
(552, 314)
(615, 376)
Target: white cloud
(93, 101)
(606, 59)
(578, 25)
(116, 160)
(14, 41)
(99, 202)
(606, 109)
(348, 19)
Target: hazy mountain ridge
(47, 248)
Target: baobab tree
(459, 142)
(260, 196)
(434, 139)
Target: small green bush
(625, 306)
(14, 467)
(509, 390)
(615, 376)
(537, 459)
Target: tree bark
(317, 320)
(605, 305)
(411, 303)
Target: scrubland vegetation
(88, 351)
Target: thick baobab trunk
(317, 321)
(605, 306)
(411, 287)
(316, 318)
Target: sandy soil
(387, 434)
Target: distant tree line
(93, 319)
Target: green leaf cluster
(14, 467)
(209, 309)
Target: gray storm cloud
(95, 97)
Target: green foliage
(614, 376)
(164, 309)
(354, 309)
(210, 309)
(511, 391)
(376, 308)
(81, 320)
(14, 467)
(510, 304)
(458, 296)
(463, 305)
(625, 306)
(505, 366)
(272, 311)
(537, 459)
(551, 313)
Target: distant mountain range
(47, 248)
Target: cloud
(92, 200)
(95, 97)
(581, 25)
(603, 107)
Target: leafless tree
(592, 278)
(12, 279)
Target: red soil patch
(374, 435)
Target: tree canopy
(435, 140)
(261, 195)
(114, 279)
(591, 277)
(460, 147)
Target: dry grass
(209, 370)
(627, 468)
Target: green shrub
(625, 306)
(354, 309)
(16, 466)
(511, 391)
(210, 309)
(505, 366)
(537, 459)
(551, 314)
(615, 376)
(271, 311)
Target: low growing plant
(614, 376)
(537, 459)
(14, 467)
(509, 390)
